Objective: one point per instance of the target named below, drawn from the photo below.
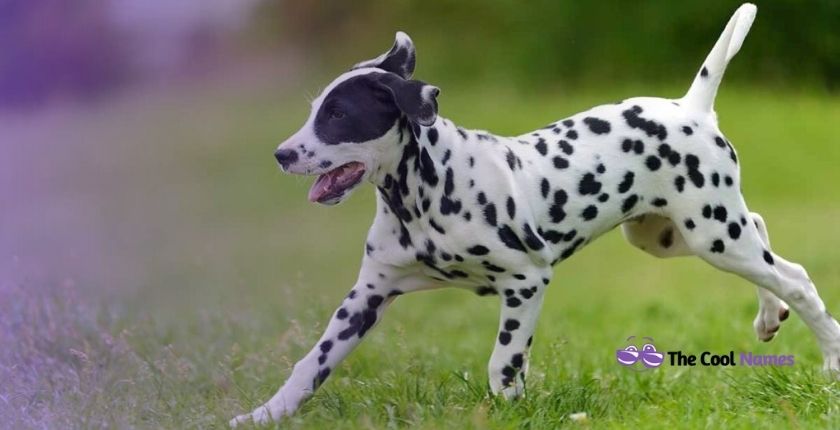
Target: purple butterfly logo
(647, 354)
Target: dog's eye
(336, 114)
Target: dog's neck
(406, 176)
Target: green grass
(211, 275)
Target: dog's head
(353, 125)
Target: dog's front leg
(376, 287)
(521, 302)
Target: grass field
(179, 276)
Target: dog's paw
(831, 358)
(259, 416)
(831, 364)
(262, 415)
(513, 391)
(509, 387)
(768, 321)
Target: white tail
(702, 93)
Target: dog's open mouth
(332, 185)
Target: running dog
(493, 214)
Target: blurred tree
(546, 41)
(50, 47)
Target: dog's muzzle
(286, 157)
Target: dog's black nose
(286, 157)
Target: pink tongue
(321, 187)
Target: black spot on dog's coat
(626, 183)
(504, 337)
(449, 206)
(597, 125)
(720, 213)
(323, 374)
(436, 226)
(560, 162)
(659, 202)
(511, 207)
(552, 236)
(541, 147)
(734, 230)
(531, 239)
(427, 168)
(679, 183)
(588, 185)
(512, 160)
(490, 214)
(556, 209)
(694, 175)
(650, 127)
(638, 147)
(629, 203)
(565, 147)
(449, 182)
(326, 346)
(510, 239)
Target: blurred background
(148, 239)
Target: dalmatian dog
(492, 214)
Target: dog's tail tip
(702, 93)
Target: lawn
(171, 276)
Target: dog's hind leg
(726, 240)
(658, 236)
(376, 287)
(771, 310)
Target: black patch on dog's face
(357, 110)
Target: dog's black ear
(400, 59)
(416, 99)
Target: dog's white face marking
(494, 214)
(353, 123)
